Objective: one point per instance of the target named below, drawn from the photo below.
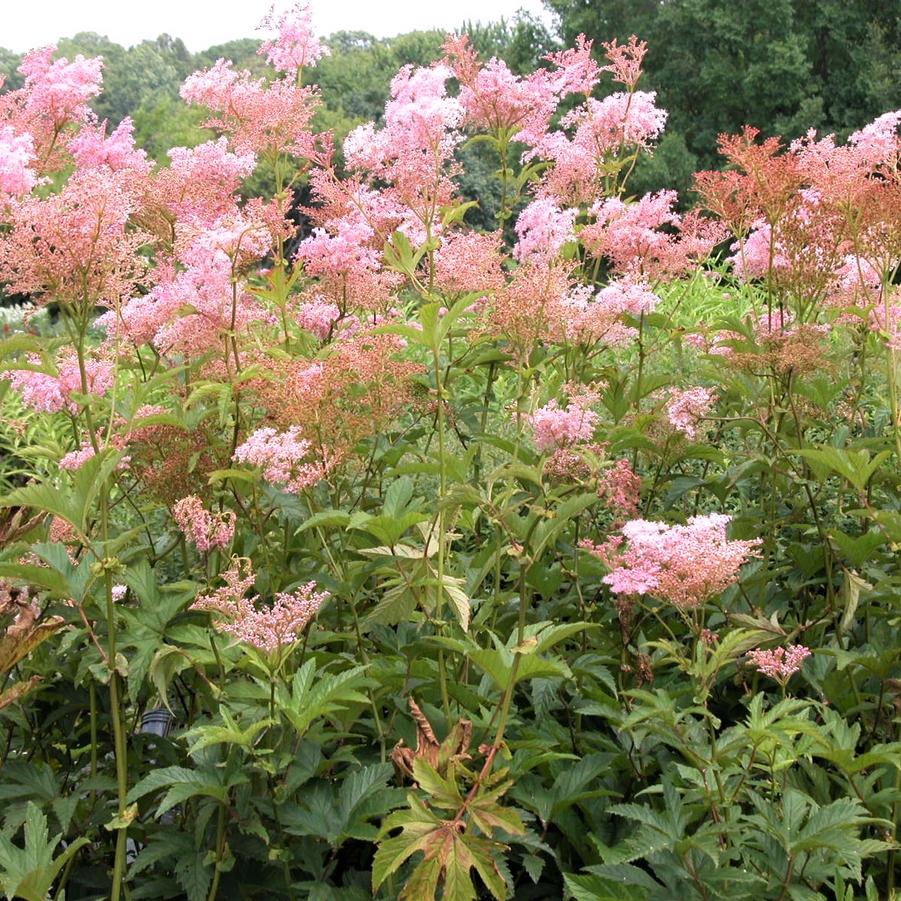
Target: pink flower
(52, 393)
(469, 261)
(295, 46)
(75, 246)
(319, 316)
(685, 409)
(277, 626)
(543, 228)
(77, 458)
(39, 390)
(281, 456)
(269, 628)
(879, 142)
(625, 60)
(58, 91)
(554, 427)
(756, 255)
(346, 248)
(412, 154)
(200, 183)
(258, 117)
(779, 663)
(493, 97)
(190, 310)
(638, 239)
(16, 157)
(91, 147)
(581, 318)
(684, 565)
(575, 70)
(620, 488)
(203, 529)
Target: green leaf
(854, 466)
(417, 825)
(29, 872)
(442, 792)
(205, 736)
(596, 888)
(331, 694)
(182, 783)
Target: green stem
(220, 849)
(119, 744)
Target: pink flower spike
(16, 157)
(555, 427)
(269, 628)
(282, 457)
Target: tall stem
(442, 490)
(119, 745)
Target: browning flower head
(76, 246)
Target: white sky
(203, 23)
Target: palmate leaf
(73, 500)
(36, 577)
(538, 638)
(206, 735)
(397, 605)
(18, 644)
(855, 466)
(29, 872)
(591, 887)
(147, 622)
(330, 694)
(194, 874)
(18, 691)
(450, 855)
(322, 812)
(182, 783)
(416, 823)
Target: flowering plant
(460, 558)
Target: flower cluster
(282, 458)
(205, 530)
(75, 246)
(647, 239)
(779, 663)
(620, 488)
(295, 45)
(49, 393)
(685, 409)
(554, 426)
(268, 628)
(262, 118)
(16, 157)
(543, 229)
(683, 565)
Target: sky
(203, 23)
